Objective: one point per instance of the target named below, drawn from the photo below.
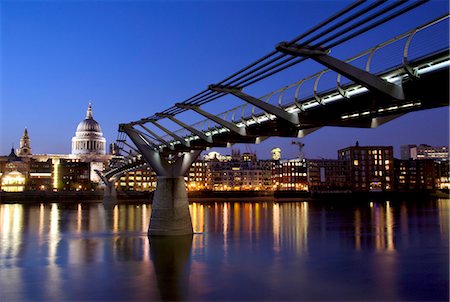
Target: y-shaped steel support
(269, 108)
(110, 192)
(360, 76)
(170, 207)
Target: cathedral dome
(88, 138)
(89, 124)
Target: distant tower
(25, 148)
(88, 139)
(276, 153)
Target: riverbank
(216, 196)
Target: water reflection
(170, 256)
(444, 209)
(383, 221)
(56, 251)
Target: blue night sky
(135, 58)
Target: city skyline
(58, 56)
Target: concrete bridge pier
(170, 207)
(110, 193)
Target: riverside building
(328, 175)
(424, 151)
(371, 168)
(415, 175)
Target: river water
(303, 251)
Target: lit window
(355, 162)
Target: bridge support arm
(218, 120)
(269, 108)
(180, 139)
(151, 156)
(191, 129)
(156, 136)
(129, 146)
(360, 76)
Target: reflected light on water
(294, 225)
(237, 219)
(276, 227)
(53, 233)
(11, 230)
(389, 227)
(444, 209)
(41, 220)
(358, 229)
(116, 219)
(226, 222)
(79, 217)
(383, 222)
(197, 212)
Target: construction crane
(300, 149)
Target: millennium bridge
(409, 72)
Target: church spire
(89, 111)
(25, 148)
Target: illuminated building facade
(415, 175)
(198, 176)
(139, 180)
(328, 175)
(240, 173)
(371, 168)
(424, 151)
(290, 175)
(13, 172)
(442, 174)
(74, 175)
(40, 175)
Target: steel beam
(145, 135)
(353, 73)
(157, 136)
(129, 146)
(218, 120)
(179, 138)
(269, 108)
(200, 134)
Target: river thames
(302, 251)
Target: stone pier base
(110, 194)
(170, 208)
